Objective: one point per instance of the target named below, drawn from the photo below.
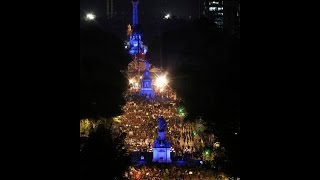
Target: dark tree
(102, 82)
(103, 156)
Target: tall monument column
(135, 12)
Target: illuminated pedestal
(161, 147)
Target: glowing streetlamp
(217, 145)
(161, 81)
(167, 16)
(131, 81)
(90, 17)
(194, 134)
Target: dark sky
(177, 7)
(150, 11)
(181, 8)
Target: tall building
(213, 9)
(232, 17)
(109, 9)
(224, 13)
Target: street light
(90, 17)
(217, 145)
(131, 81)
(161, 81)
(167, 16)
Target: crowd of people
(188, 139)
(173, 173)
(139, 122)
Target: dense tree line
(103, 155)
(103, 60)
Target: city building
(232, 17)
(224, 13)
(213, 9)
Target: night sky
(149, 8)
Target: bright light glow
(131, 81)
(217, 145)
(117, 119)
(90, 16)
(167, 16)
(213, 2)
(161, 81)
(194, 133)
(212, 8)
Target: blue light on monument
(135, 44)
(135, 12)
(146, 83)
(161, 146)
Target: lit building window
(212, 8)
(213, 2)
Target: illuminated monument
(146, 82)
(161, 146)
(135, 44)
